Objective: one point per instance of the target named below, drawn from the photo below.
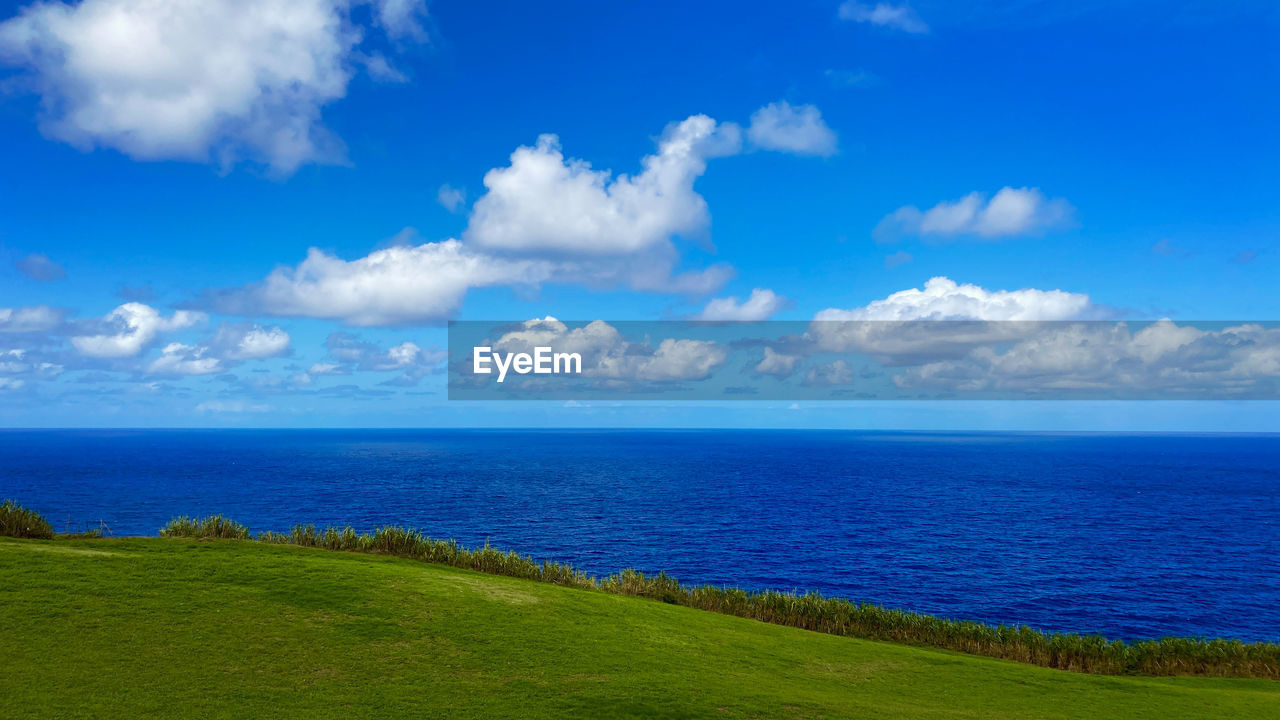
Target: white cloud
(890, 328)
(544, 203)
(681, 360)
(944, 299)
(392, 286)
(248, 341)
(407, 284)
(544, 219)
(36, 318)
(198, 79)
(327, 369)
(594, 338)
(779, 365)
(230, 346)
(761, 305)
(606, 355)
(1012, 211)
(795, 129)
(179, 359)
(1161, 359)
(351, 353)
(899, 17)
(450, 198)
(133, 326)
(404, 354)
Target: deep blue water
(1132, 536)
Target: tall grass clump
(17, 521)
(214, 526)
(810, 611)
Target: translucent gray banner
(550, 359)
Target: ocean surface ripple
(1131, 536)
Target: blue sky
(179, 159)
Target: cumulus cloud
(682, 359)
(899, 17)
(795, 129)
(130, 328)
(1046, 343)
(36, 318)
(761, 305)
(542, 202)
(1160, 359)
(393, 286)
(1012, 211)
(230, 345)
(406, 284)
(917, 358)
(594, 338)
(350, 353)
(944, 299)
(777, 364)
(40, 268)
(544, 219)
(896, 329)
(322, 368)
(250, 341)
(199, 80)
(179, 359)
(607, 356)
(349, 349)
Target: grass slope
(175, 628)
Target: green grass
(165, 627)
(810, 611)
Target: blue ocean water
(1132, 536)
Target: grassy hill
(177, 628)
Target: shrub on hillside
(17, 521)
(214, 526)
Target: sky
(262, 213)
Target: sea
(1128, 535)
